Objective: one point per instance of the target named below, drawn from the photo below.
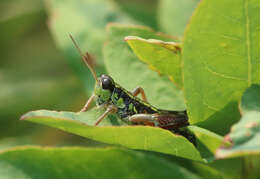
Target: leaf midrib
(248, 44)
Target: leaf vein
(210, 107)
(248, 44)
(229, 18)
(222, 35)
(232, 54)
(223, 75)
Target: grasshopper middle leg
(139, 90)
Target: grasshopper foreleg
(110, 109)
(139, 90)
(88, 103)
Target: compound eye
(107, 82)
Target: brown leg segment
(88, 103)
(110, 109)
(138, 90)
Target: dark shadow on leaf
(222, 126)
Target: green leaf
(161, 56)
(11, 142)
(86, 21)
(71, 162)
(174, 15)
(251, 167)
(140, 11)
(226, 168)
(251, 99)
(245, 136)
(210, 140)
(221, 59)
(134, 137)
(129, 72)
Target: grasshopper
(131, 109)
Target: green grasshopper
(115, 99)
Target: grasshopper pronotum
(115, 99)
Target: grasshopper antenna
(86, 58)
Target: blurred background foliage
(39, 67)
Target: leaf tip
(227, 138)
(23, 117)
(129, 38)
(126, 38)
(219, 154)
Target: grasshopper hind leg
(175, 123)
(163, 120)
(145, 119)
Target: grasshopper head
(104, 89)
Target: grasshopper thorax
(104, 89)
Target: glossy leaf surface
(135, 137)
